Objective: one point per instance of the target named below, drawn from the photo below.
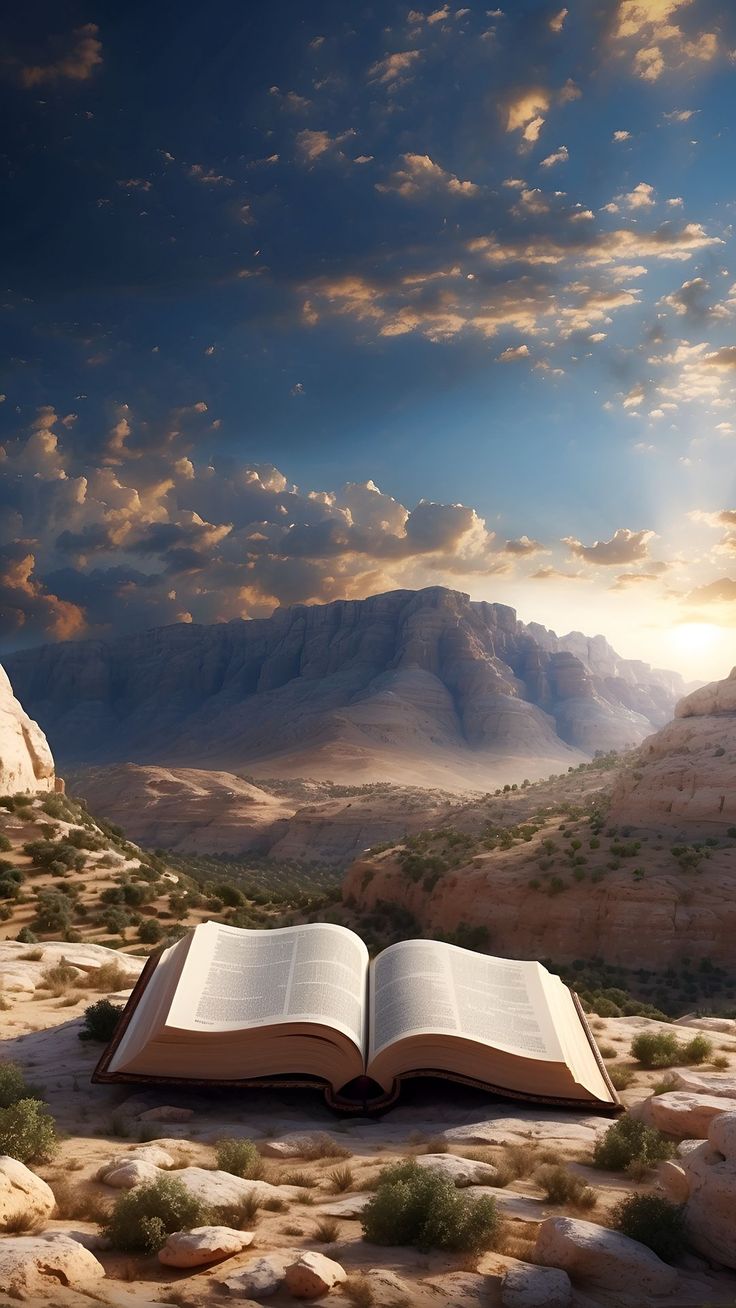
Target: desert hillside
(416, 687)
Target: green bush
(419, 1207)
(653, 1221)
(5, 844)
(663, 1049)
(240, 1157)
(13, 1085)
(26, 937)
(100, 1020)
(53, 912)
(628, 1143)
(28, 1131)
(150, 932)
(142, 1218)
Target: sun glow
(696, 637)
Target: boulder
(221, 1189)
(202, 1245)
(602, 1258)
(32, 1267)
(673, 1181)
(152, 1153)
(705, 1083)
(709, 1186)
(22, 1194)
(261, 1278)
(350, 1207)
(167, 1113)
(313, 1275)
(461, 1171)
(526, 1286)
(682, 1112)
(126, 1174)
(297, 1144)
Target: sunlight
(696, 637)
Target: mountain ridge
(396, 686)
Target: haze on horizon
(303, 303)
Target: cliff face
(684, 776)
(25, 758)
(402, 686)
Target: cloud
(526, 113)
(690, 298)
(624, 547)
(719, 592)
(680, 115)
(642, 197)
(514, 352)
(394, 69)
(664, 242)
(557, 21)
(418, 174)
(621, 135)
(649, 33)
(165, 538)
(74, 59)
(560, 155)
(312, 145)
(208, 176)
(524, 547)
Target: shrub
(11, 880)
(663, 1049)
(563, 1187)
(13, 1085)
(149, 932)
(327, 1230)
(419, 1207)
(240, 1158)
(100, 1020)
(653, 1221)
(28, 1131)
(26, 937)
(53, 912)
(59, 978)
(5, 844)
(621, 1076)
(628, 1142)
(142, 1218)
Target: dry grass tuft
(327, 1230)
(341, 1179)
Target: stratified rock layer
(25, 758)
(411, 686)
(684, 776)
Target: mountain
(419, 687)
(683, 777)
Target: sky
(306, 300)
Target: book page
(427, 986)
(235, 978)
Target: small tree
(629, 1143)
(100, 1020)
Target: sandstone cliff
(417, 687)
(684, 776)
(25, 758)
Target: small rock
(682, 1112)
(126, 1174)
(260, 1279)
(297, 1144)
(149, 1153)
(461, 1171)
(350, 1207)
(526, 1286)
(34, 1266)
(22, 1194)
(313, 1275)
(203, 1244)
(602, 1257)
(166, 1113)
(221, 1189)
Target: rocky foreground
(293, 1229)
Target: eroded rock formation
(25, 758)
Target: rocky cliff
(684, 776)
(413, 686)
(25, 758)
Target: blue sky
(308, 301)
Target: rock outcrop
(25, 758)
(706, 1180)
(682, 778)
(410, 686)
(597, 1257)
(23, 1195)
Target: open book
(305, 1005)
